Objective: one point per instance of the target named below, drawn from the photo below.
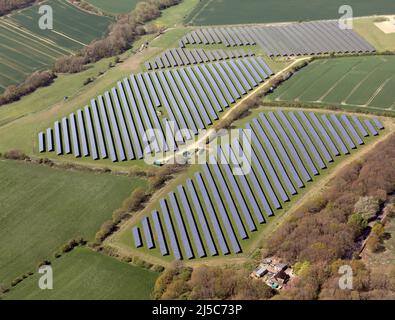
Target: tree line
(6, 6)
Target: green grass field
(114, 7)
(217, 12)
(87, 275)
(25, 48)
(380, 40)
(42, 208)
(363, 82)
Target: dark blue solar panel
(148, 233)
(159, 232)
(170, 230)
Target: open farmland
(363, 82)
(216, 213)
(217, 12)
(25, 48)
(42, 208)
(87, 275)
(114, 7)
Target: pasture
(42, 208)
(210, 212)
(358, 82)
(218, 12)
(25, 48)
(114, 7)
(87, 275)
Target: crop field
(42, 208)
(217, 12)
(25, 48)
(87, 275)
(363, 82)
(114, 7)
(214, 212)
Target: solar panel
(191, 222)
(212, 215)
(125, 106)
(183, 56)
(337, 138)
(290, 147)
(236, 190)
(136, 115)
(229, 83)
(171, 59)
(240, 75)
(202, 54)
(282, 151)
(299, 142)
(324, 134)
(258, 67)
(206, 102)
(91, 133)
(245, 186)
(360, 127)
(181, 226)
(174, 104)
(223, 186)
(274, 156)
(316, 137)
(159, 232)
(201, 218)
(170, 230)
(181, 102)
(169, 133)
(262, 174)
(222, 212)
(137, 238)
(221, 83)
(352, 129)
(107, 130)
(214, 84)
(261, 197)
(205, 84)
(151, 89)
(122, 123)
(199, 103)
(378, 124)
(166, 62)
(190, 57)
(267, 162)
(233, 77)
(370, 127)
(247, 73)
(343, 132)
(196, 56)
(50, 146)
(41, 142)
(160, 140)
(74, 136)
(264, 65)
(99, 130)
(190, 103)
(81, 129)
(147, 233)
(58, 139)
(115, 129)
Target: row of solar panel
(185, 57)
(306, 38)
(215, 210)
(115, 126)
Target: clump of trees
(10, 5)
(324, 230)
(36, 80)
(204, 282)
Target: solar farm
(114, 126)
(212, 213)
(25, 48)
(264, 109)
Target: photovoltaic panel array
(292, 39)
(215, 210)
(115, 124)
